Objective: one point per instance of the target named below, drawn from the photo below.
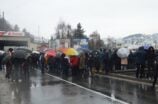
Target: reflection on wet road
(123, 90)
(44, 89)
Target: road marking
(99, 93)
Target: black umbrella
(24, 49)
(20, 54)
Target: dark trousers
(140, 70)
(74, 70)
(42, 68)
(106, 68)
(150, 69)
(155, 75)
(8, 70)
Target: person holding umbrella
(8, 62)
(19, 57)
(65, 65)
(42, 62)
(150, 61)
(123, 53)
(140, 62)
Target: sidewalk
(5, 93)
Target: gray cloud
(110, 17)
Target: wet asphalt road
(45, 89)
(126, 91)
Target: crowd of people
(145, 61)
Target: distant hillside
(141, 39)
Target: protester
(65, 65)
(155, 71)
(82, 64)
(124, 63)
(117, 61)
(8, 62)
(90, 63)
(106, 61)
(74, 60)
(150, 61)
(42, 63)
(96, 61)
(140, 62)
(131, 61)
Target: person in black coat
(131, 61)
(116, 60)
(96, 61)
(150, 61)
(42, 63)
(140, 62)
(106, 62)
(65, 65)
(155, 71)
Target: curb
(128, 78)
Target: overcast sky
(114, 18)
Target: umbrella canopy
(63, 50)
(146, 47)
(1, 52)
(24, 49)
(81, 50)
(123, 52)
(20, 54)
(36, 52)
(50, 53)
(71, 52)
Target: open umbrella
(50, 53)
(63, 50)
(81, 50)
(20, 54)
(71, 52)
(24, 49)
(35, 52)
(123, 52)
(146, 47)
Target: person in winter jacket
(74, 60)
(150, 61)
(65, 65)
(106, 61)
(155, 71)
(82, 65)
(9, 63)
(96, 61)
(140, 62)
(42, 63)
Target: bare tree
(63, 30)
